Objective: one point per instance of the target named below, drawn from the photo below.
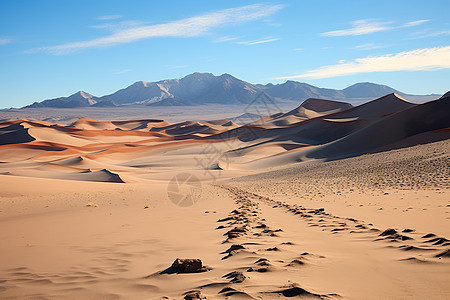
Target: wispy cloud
(414, 23)
(369, 46)
(109, 17)
(190, 27)
(420, 35)
(272, 23)
(119, 26)
(4, 41)
(226, 39)
(361, 27)
(123, 71)
(256, 42)
(427, 59)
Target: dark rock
(430, 235)
(191, 295)
(235, 277)
(234, 247)
(188, 265)
(226, 219)
(389, 231)
(273, 249)
(446, 253)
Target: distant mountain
(79, 99)
(368, 89)
(105, 102)
(204, 88)
(172, 101)
(197, 88)
(293, 90)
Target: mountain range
(206, 88)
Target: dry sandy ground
(274, 209)
(89, 240)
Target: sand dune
(327, 201)
(310, 108)
(14, 133)
(317, 129)
(416, 120)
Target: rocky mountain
(204, 88)
(79, 99)
(105, 102)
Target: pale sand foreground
(86, 209)
(55, 246)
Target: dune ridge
(326, 201)
(316, 130)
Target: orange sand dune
(316, 130)
(326, 201)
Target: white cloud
(368, 46)
(427, 59)
(110, 17)
(226, 39)
(119, 26)
(4, 41)
(414, 23)
(361, 27)
(190, 27)
(256, 42)
(420, 35)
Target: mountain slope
(204, 88)
(79, 99)
(367, 89)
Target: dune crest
(316, 130)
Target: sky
(53, 48)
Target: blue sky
(55, 48)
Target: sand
(101, 209)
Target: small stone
(389, 231)
(187, 265)
(191, 295)
(235, 277)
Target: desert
(325, 201)
(220, 150)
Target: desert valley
(328, 200)
(222, 150)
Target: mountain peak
(82, 94)
(141, 83)
(202, 88)
(198, 75)
(365, 89)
